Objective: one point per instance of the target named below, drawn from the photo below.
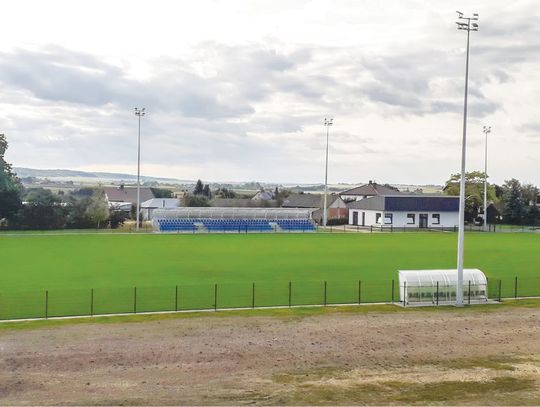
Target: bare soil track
(343, 357)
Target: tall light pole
(327, 123)
(139, 113)
(486, 130)
(467, 24)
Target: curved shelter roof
(429, 278)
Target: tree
(514, 206)
(43, 210)
(162, 192)
(198, 190)
(98, 209)
(195, 200)
(474, 192)
(225, 192)
(10, 187)
(206, 191)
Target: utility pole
(486, 130)
(327, 123)
(463, 23)
(139, 113)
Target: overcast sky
(238, 90)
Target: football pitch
(59, 275)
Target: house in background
(122, 198)
(148, 207)
(337, 208)
(402, 210)
(367, 190)
(263, 196)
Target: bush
(337, 221)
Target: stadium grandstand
(233, 220)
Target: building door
(423, 220)
(363, 219)
(355, 218)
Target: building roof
(263, 196)
(243, 203)
(127, 194)
(155, 203)
(308, 201)
(371, 189)
(411, 203)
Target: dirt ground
(357, 357)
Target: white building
(406, 211)
(148, 207)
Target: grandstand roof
(242, 203)
(232, 213)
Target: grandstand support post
(515, 288)
(46, 304)
(405, 293)
(500, 286)
(392, 291)
(215, 297)
(176, 298)
(437, 295)
(359, 292)
(253, 295)
(290, 294)
(325, 294)
(91, 302)
(469, 299)
(134, 300)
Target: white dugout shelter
(439, 286)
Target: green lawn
(69, 266)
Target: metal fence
(100, 301)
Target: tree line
(513, 202)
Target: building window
(436, 219)
(411, 219)
(388, 218)
(377, 218)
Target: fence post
(176, 298)
(392, 291)
(290, 293)
(359, 291)
(469, 301)
(371, 228)
(253, 296)
(46, 304)
(215, 297)
(515, 288)
(325, 293)
(500, 285)
(134, 300)
(91, 302)
(437, 295)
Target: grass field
(68, 267)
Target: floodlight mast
(486, 130)
(139, 113)
(327, 123)
(467, 24)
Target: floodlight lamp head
(460, 14)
